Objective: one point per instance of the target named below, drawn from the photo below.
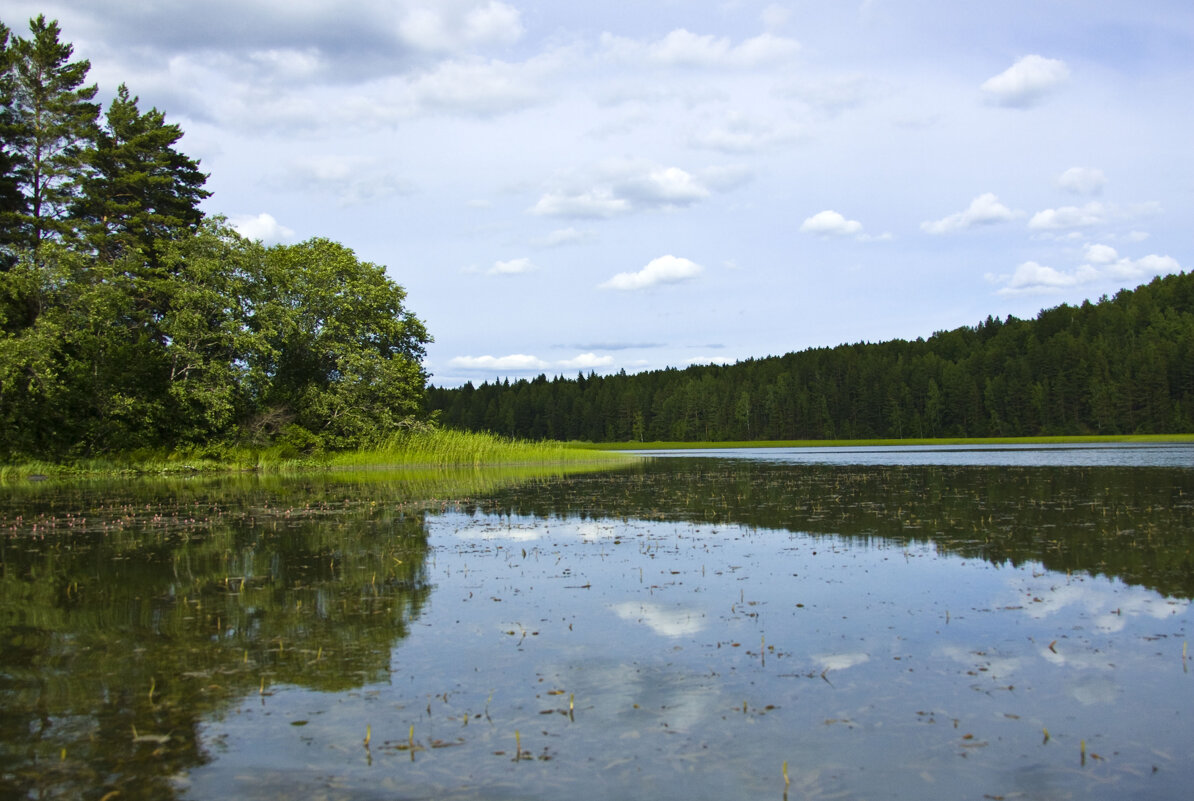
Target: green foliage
(129, 323)
(1119, 366)
(339, 350)
(51, 122)
(140, 192)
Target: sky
(566, 187)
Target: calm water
(890, 624)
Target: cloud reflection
(665, 621)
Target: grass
(838, 443)
(425, 446)
(442, 447)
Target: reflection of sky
(840, 661)
(1111, 454)
(665, 621)
(1108, 605)
(697, 651)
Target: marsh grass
(419, 446)
(440, 447)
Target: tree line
(131, 320)
(1121, 365)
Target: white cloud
(682, 48)
(512, 267)
(830, 223)
(1093, 213)
(1082, 180)
(471, 87)
(523, 362)
(623, 187)
(588, 204)
(983, 210)
(1101, 254)
(1026, 82)
(446, 26)
(262, 227)
(515, 362)
(1103, 264)
(586, 361)
(663, 270)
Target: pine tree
(12, 203)
(51, 128)
(141, 192)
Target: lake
(817, 623)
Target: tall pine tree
(141, 193)
(52, 127)
(12, 202)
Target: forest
(1121, 365)
(131, 320)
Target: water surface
(681, 629)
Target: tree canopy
(1121, 365)
(130, 320)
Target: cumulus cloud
(1026, 82)
(453, 25)
(515, 362)
(1093, 213)
(682, 48)
(830, 223)
(585, 361)
(522, 362)
(482, 88)
(1082, 180)
(512, 267)
(262, 227)
(983, 210)
(663, 270)
(1102, 264)
(620, 188)
(378, 33)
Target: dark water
(681, 629)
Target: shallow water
(683, 629)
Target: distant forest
(1122, 365)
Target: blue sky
(602, 186)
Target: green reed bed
(446, 447)
(423, 446)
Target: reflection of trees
(130, 611)
(121, 633)
(1136, 524)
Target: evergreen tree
(141, 192)
(12, 203)
(51, 130)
